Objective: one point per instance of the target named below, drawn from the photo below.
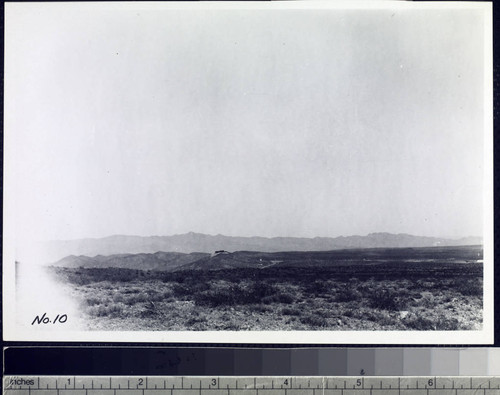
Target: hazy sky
(243, 122)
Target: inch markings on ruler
(246, 385)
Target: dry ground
(427, 297)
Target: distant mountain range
(197, 242)
(164, 261)
(175, 261)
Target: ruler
(246, 385)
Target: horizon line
(265, 237)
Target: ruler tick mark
(430, 384)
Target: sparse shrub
(131, 291)
(136, 298)
(389, 300)
(469, 287)
(260, 308)
(440, 323)
(114, 310)
(233, 294)
(181, 290)
(348, 294)
(317, 288)
(232, 326)
(220, 296)
(93, 301)
(155, 296)
(285, 297)
(270, 299)
(200, 287)
(385, 319)
(428, 300)
(447, 324)
(291, 311)
(150, 310)
(359, 313)
(195, 320)
(118, 298)
(259, 290)
(314, 320)
(432, 323)
(165, 295)
(369, 315)
(420, 323)
(426, 283)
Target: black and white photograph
(292, 172)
